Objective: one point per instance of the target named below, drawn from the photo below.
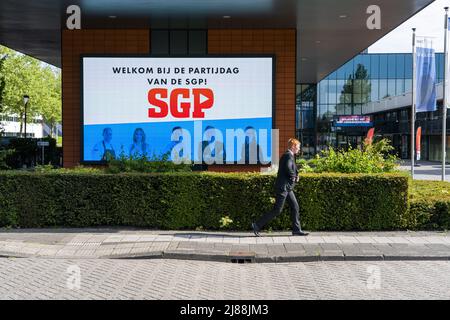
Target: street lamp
(25, 101)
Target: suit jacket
(287, 173)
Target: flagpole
(444, 97)
(413, 104)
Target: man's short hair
(292, 142)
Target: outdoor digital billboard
(186, 107)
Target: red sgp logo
(180, 102)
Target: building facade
(367, 85)
(307, 40)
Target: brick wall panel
(75, 43)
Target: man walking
(284, 185)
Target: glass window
(365, 61)
(400, 66)
(340, 86)
(408, 85)
(197, 42)
(348, 97)
(404, 114)
(357, 91)
(332, 98)
(366, 88)
(374, 66)
(332, 76)
(340, 109)
(348, 69)
(391, 66)
(356, 61)
(357, 109)
(357, 98)
(400, 86)
(159, 42)
(361, 72)
(391, 87)
(330, 113)
(374, 96)
(322, 111)
(308, 92)
(383, 88)
(348, 109)
(346, 89)
(178, 42)
(332, 109)
(332, 91)
(323, 90)
(383, 66)
(408, 66)
(307, 119)
(340, 73)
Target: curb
(252, 258)
(242, 257)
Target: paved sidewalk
(426, 170)
(238, 247)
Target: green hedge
(429, 205)
(199, 200)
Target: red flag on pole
(370, 136)
(419, 132)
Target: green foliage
(430, 204)
(78, 169)
(2, 78)
(144, 164)
(24, 152)
(22, 75)
(4, 154)
(191, 200)
(372, 158)
(225, 222)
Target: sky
(428, 22)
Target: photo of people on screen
(104, 150)
(177, 150)
(251, 152)
(212, 150)
(139, 148)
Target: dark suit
(284, 186)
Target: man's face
(295, 148)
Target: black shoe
(255, 229)
(300, 233)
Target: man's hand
(297, 179)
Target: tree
(2, 83)
(2, 78)
(51, 109)
(25, 75)
(356, 90)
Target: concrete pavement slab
(210, 245)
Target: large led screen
(208, 109)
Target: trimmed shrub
(199, 200)
(371, 158)
(429, 205)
